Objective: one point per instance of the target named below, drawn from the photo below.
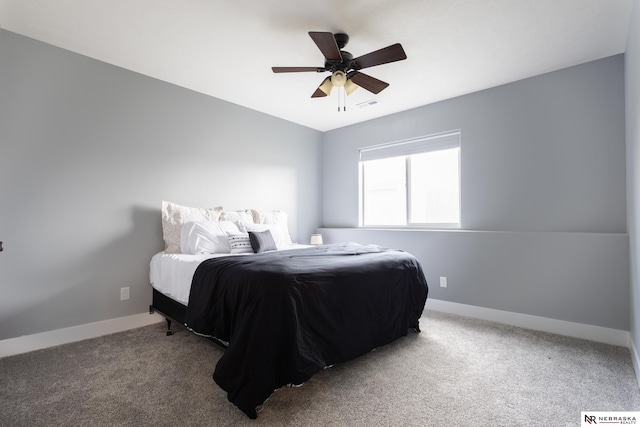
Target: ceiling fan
(344, 68)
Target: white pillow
(174, 216)
(240, 243)
(239, 216)
(207, 237)
(270, 217)
(280, 232)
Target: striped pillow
(240, 243)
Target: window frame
(406, 148)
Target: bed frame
(174, 311)
(170, 309)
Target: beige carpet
(457, 372)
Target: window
(411, 183)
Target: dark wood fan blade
(318, 94)
(392, 53)
(326, 42)
(296, 69)
(367, 82)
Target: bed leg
(169, 331)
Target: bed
(285, 313)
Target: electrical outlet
(124, 294)
(443, 282)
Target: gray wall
(87, 153)
(575, 277)
(543, 195)
(632, 85)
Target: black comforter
(288, 314)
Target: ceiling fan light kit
(343, 67)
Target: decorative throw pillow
(174, 216)
(262, 241)
(239, 243)
(279, 232)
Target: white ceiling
(226, 48)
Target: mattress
(171, 274)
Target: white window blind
(407, 147)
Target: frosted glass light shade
(338, 78)
(326, 86)
(350, 87)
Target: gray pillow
(262, 241)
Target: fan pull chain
(342, 99)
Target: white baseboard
(561, 327)
(635, 358)
(42, 340)
(24, 344)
